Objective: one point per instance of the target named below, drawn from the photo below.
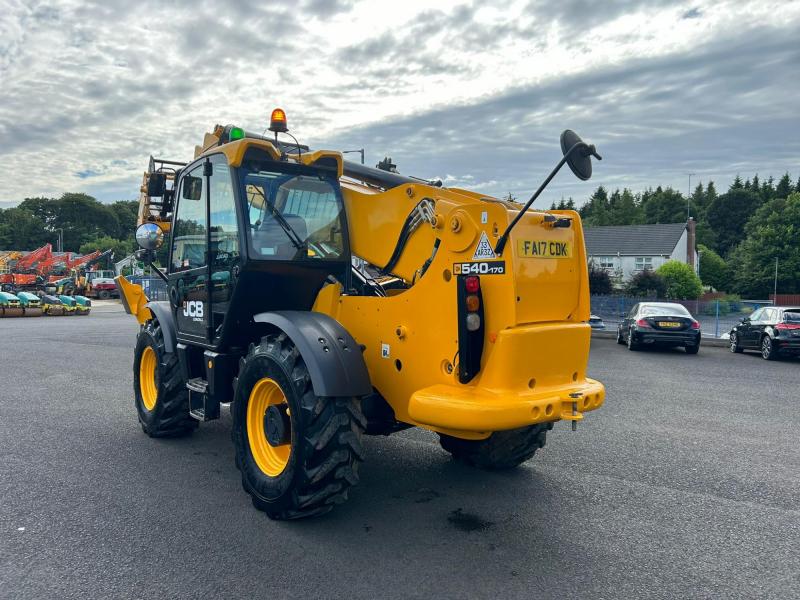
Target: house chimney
(691, 242)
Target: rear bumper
(530, 374)
(787, 345)
(678, 338)
(476, 409)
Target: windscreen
(792, 316)
(293, 217)
(664, 309)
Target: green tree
(648, 284)
(682, 283)
(22, 230)
(772, 234)
(120, 248)
(737, 183)
(713, 269)
(784, 187)
(596, 210)
(728, 214)
(126, 212)
(663, 206)
(599, 281)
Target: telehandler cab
(325, 300)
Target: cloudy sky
(475, 93)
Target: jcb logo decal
(193, 309)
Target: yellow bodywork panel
(535, 354)
(133, 299)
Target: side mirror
(192, 187)
(149, 236)
(156, 184)
(578, 154)
(745, 320)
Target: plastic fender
(333, 357)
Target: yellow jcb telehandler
(325, 300)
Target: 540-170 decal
(483, 267)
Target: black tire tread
(171, 418)
(501, 450)
(331, 440)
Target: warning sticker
(484, 249)
(385, 350)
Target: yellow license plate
(544, 249)
(668, 324)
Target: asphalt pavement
(684, 485)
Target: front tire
(768, 351)
(298, 453)
(735, 346)
(501, 450)
(162, 400)
(620, 339)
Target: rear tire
(319, 462)
(162, 400)
(632, 345)
(735, 346)
(501, 450)
(768, 351)
(104, 294)
(693, 349)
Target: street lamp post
(60, 239)
(689, 196)
(360, 151)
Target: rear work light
(642, 323)
(470, 326)
(695, 325)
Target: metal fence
(154, 287)
(716, 317)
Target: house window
(605, 262)
(644, 263)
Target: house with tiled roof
(624, 250)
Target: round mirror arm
(586, 150)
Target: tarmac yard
(685, 484)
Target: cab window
(189, 233)
(294, 216)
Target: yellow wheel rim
(272, 460)
(147, 378)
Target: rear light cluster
(473, 303)
(470, 327)
(695, 325)
(642, 323)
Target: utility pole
(60, 239)
(775, 289)
(689, 195)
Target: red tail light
(642, 323)
(695, 325)
(472, 284)
(786, 326)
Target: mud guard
(163, 314)
(334, 359)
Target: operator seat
(270, 240)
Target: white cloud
(89, 90)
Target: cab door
(188, 268)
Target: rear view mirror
(579, 160)
(149, 236)
(156, 184)
(192, 187)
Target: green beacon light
(237, 133)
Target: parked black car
(662, 323)
(772, 330)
